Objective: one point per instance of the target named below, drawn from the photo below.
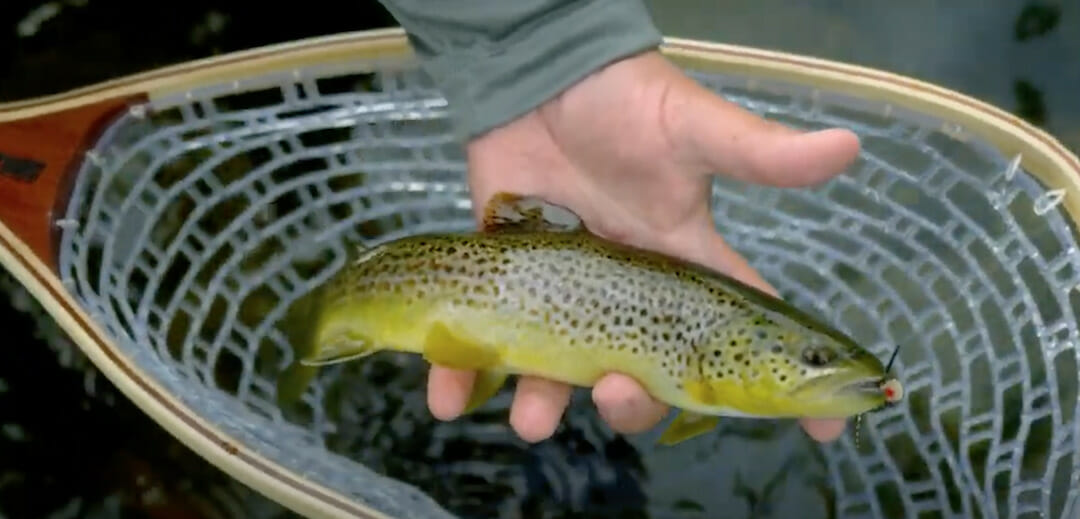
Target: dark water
(70, 444)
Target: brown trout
(533, 292)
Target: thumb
(723, 138)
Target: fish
(534, 292)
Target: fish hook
(892, 388)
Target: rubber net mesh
(198, 218)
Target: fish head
(780, 367)
(820, 373)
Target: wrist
(507, 61)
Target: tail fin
(299, 326)
(300, 323)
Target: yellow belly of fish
(492, 342)
(496, 345)
(472, 339)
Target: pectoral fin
(509, 212)
(485, 386)
(687, 425)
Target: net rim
(1042, 155)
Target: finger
(448, 391)
(625, 405)
(724, 138)
(823, 430)
(538, 406)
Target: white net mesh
(197, 219)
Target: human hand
(631, 149)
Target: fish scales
(591, 297)
(529, 298)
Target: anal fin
(295, 378)
(340, 349)
(687, 425)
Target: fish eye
(817, 356)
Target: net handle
(39, 156)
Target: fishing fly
(890, 387)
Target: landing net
(199, 217)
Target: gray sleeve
(495, 60)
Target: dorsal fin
(512, 212)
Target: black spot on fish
(817, 356)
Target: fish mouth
(867, 386)
(863, 387)
(841, 395)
